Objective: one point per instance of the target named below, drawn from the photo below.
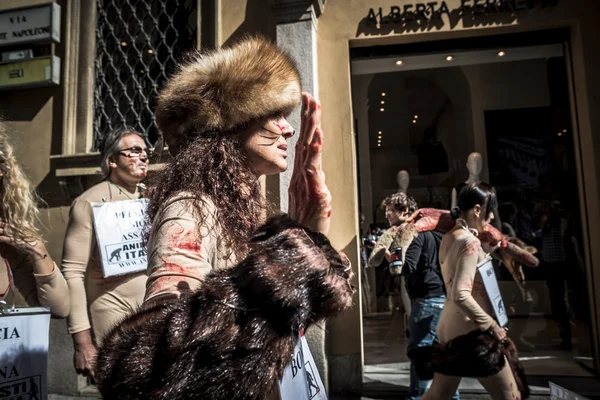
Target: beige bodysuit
(467, 305)
(178, 259)
(108, 300)
(30, 289)
(467, 308)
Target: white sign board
(486, 269)
(119, 226)
(24, 336)
(301, 379)
(30, 25)
(560, 393)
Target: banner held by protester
(486, 269)
(301, 379)
(119, 227)
(560, 393)
(24, 335)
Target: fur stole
(477, 354)
(234, 335)
(403, 238)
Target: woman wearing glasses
(223, 116)
(124, 164)
(28, 276)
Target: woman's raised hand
(309, 196)
(30, 247)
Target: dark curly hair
(213, 166)
(401, 202)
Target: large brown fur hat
(227, 88)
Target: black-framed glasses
(136, 152)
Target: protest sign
(118, 228)
(24, 336)
(560, 393)
(486, 269)
(301, 379)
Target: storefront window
(137, 46)
(509, 108)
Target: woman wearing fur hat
(223, 116)
(28, 276)
(472, 342)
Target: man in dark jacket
(425, 287)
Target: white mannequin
(403, 180)
(474, 165)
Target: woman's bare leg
(502, 386)
(443, 387)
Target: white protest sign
(301, 379)
(560, 393)
(24, 336)
(486, 269)
(118, 228)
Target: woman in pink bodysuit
(467, 307)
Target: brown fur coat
(233, 337)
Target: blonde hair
(19, 208)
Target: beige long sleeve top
(179, 258)
(30, 289)
(82, 265)
(467, 305)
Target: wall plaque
(39, 24)
(35, 72)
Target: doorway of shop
(430, 117)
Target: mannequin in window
(475, 165)
(403, 180)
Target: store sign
(435, 9)
(30, 25)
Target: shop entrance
(421, 112)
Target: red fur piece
(427, 219)
(517, 241)
(493, 236)
(520, 255)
